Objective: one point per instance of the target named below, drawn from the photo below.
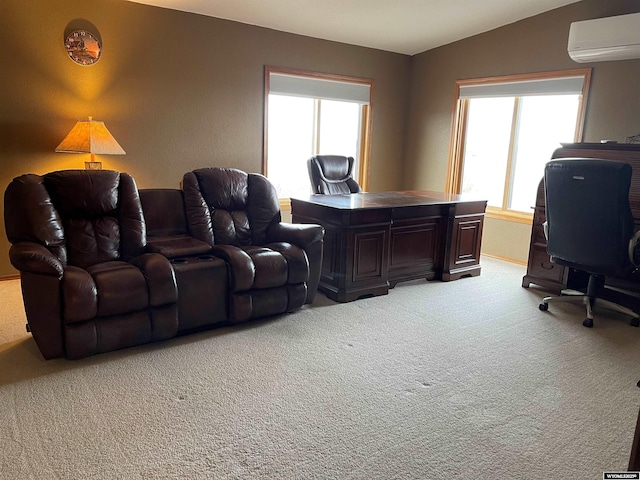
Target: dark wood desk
(375, 240)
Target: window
(308, 114)
(505, 131)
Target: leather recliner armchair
(78, 239)
(273, 267)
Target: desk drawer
(540, 266)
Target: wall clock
(83, 47)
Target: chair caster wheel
(635, 322)
(544, 307)
(588, 323)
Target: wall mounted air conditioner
(602, 39)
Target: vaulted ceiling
(401, 26)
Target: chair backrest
(83, 217)
(589, 220)
(227, 206)
(163, 211)
(332, 174)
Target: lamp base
(93, 165)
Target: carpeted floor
(460, 380)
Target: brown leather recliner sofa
(105, 266)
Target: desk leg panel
(369, 262)
(359, 262)
(463, 249)
(355, 260)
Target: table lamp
(90, 136)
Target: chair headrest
(334, 168)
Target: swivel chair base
(596, 283)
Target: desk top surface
(367, 200)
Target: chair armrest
(42, 297)
(633, 243)
(242, 271)
(35, 258)
(308, 237)
(300, 234)
(160, 277)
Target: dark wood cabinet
(540, 270)
(375, 240)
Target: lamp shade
(90, 136)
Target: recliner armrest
(299, 234)
(35, 258)
(160, 278)
(242, 271)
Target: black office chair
(332, 174)
(589, 226)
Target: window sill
(285, 204)
(510, 216)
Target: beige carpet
(460, 380)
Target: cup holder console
(185, 260)
(179, 261)
(203, 288)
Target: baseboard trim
(506, 259)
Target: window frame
(366, 123)
(455, 165)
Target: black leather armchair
(78, 239)
(589, 226)
(332, 174)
